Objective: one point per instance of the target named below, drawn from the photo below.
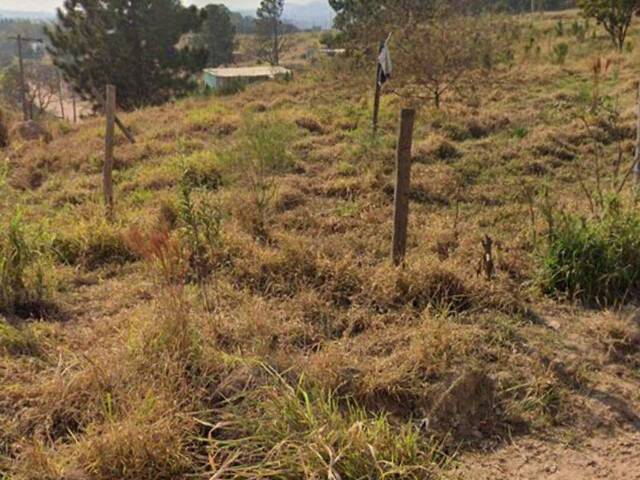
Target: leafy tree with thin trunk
(269, 26)
(614, 15)
(461, 53)
(136, 45)
(41, 82)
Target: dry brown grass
(302, 352)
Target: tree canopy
(269, 27)
(614, 15)
(217, 35)
(135, 45)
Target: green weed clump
(559, 53)
(291, 431)
(594, 260)
(24, 284)
(261, 153)
(94, 245)
(16, 341)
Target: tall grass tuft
(292, 431)
(23, 281)
(596, 261)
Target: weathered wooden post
(73, 103)
(110, 112)
(636, 159)
(61, 95)
(403, 182)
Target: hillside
(239, 317)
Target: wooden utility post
(73, 103)
(636, 160)
(26, 112)
(403, 183)
(60, 95)
(110, 112)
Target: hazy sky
(46, 5)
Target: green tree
(269, 26)
(614, 15)
(367, 22)
(218, 34)
(135, 45)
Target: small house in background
(315, 53)
(332, 52)
(228, 77)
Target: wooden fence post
(403, 182)
(636, 159)
(110, 112)
(61, 95)
(73, 103)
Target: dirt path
(611, 457)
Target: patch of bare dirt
(611, 457)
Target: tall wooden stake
(61, 96)
(636, 160)
(73, 103)
(110, 111)
(403, 182)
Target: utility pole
(23, 84)
(60, 95)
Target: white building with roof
(220, 78)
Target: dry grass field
(240, 318)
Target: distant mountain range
(314, 14)
(36, 16)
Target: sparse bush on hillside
(16, 341)
(200, 170)
(559, 53)
(262, 153)
(593, 260)
(200, 222)
(24, 284)
(93, 245)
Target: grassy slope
(316, 355)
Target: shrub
(16, 341)
(262, 153)
(596, 261)
(559, 53)
(200, 222)
(93, 245)
(200, 170)
(23, 282)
